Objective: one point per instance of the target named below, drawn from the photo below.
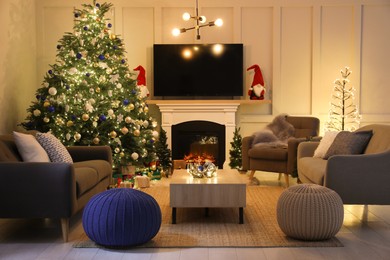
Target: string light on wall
(200, 21)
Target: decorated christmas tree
(343, 113)
(235, 151)
(89, 96)
(163, 152)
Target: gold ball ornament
(122, 154)
(146, 109)
(85, 117)
(112, 36)
(137, 132)
(46, 119)
(96, 140)
(113, 134)
(77, 136)
(124, 130)
(134, 156)
(128, 120)
(97, 90)
(46, 104)
(131, 107)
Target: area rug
(220, 228)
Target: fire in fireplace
(201, 138)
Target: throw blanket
(275, 134)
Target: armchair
(277, 159)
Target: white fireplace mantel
(223, 113)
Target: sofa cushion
(313, 169)
(101, 167)
(349, 143)
(55, 149)
(86, 179)
(29, 148)
(380, 141)
(325, 143)
(268, 153)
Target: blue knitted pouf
(121, 217)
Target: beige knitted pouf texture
(310, 212)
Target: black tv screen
(190, 70)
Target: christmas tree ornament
(67, 136)
(52, 91)
(77, 136)
(134, 156)
(46, 119)
(85, 117)
(257, 89)
(131, 107)
(37, 112)
(96, 140)
(46, 104)
(69, 123)
(113, 134)
(137, 132)
(124, 130)
(128, 120)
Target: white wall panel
(56, 21)
(336, 52)
(375, 60)
(296, 60)
(138, 28)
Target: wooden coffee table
(226, 190)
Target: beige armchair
(279, 160)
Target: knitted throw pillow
(325, 143)
(29, 148)
(55, 149)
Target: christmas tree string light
(89, 97)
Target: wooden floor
(41, 239)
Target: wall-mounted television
(204, 70)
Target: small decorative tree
(163, 152)
(235, 151)
(343, 113)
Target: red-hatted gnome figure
(257, 89)
(141, 82)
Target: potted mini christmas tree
(88, 96)
(164, 153)
(235, 151)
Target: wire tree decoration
(343, 113)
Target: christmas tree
(235, 151)
(88, 97)
(343, 113)
(163, 152)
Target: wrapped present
(141, 182)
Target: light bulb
(175, 32)
(186, 16)
(202, 19)
(219, 22)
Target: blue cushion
(121, 217)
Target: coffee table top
(223, 176)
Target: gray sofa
(358, 179)
(51, 190)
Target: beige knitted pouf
(310, 212)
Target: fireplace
(222, 113)
(199, 138)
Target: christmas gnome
(141, 82)
(257, 89)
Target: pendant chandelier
(200, 21)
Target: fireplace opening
(199, 138)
